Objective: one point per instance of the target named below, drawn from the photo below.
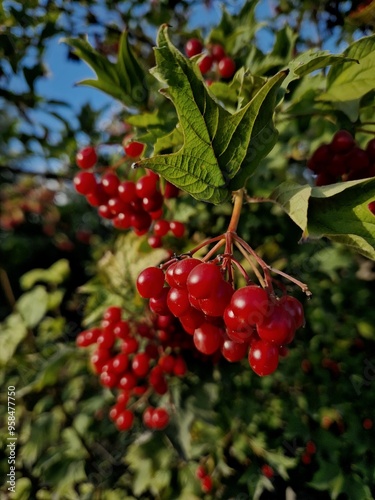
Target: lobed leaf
(124, 80)
(220, 150)
(338, 211)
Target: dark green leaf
(217, 145)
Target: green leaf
(13, 331)
(55, 275)
(33, 305)
(124, 80)
(313, 60)
(294, 199)
(324, 476)
(338, 211)
(219, 147)
(348, 82)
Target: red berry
(110, 183)
(294, 308)
(193, 47)
(205, 64)
(177, 228)
(150, 282)
(342, 142)
(128, 381)
(171, 191)
(97, 197)
(120, 363)
(160, 418)
(155, 241)
(306, 459)
(99, 358)
(367, 424)
(88, 337)
(129, 345)
(153, 203)
(226, 67)
(106, 339)
(310, 447)
(179, 368)
(208, 338)
(86, 157)
(141, 364)
(182, 270)
(159, 304)
(125, 420)
(121, 329)
(167, 363)
(146, 186)
(215, 304)
(112, 314)
(191, 320)
(134, 149)
(217, 52)
(263, 357)
(233, 351)
(200, 472)
(267, 471)
(147, 416)
(203, 279)
(371, 207)
(250, 304)
(127, 192)
(178, 301)
(320, 158)
(161, 227)
(84, 182)
(206, 484)
(169, 275)
(278, 326)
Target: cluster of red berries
(137, 360)
(342, 160)
(308, 452)
(127, 204)
(248, 321)
(205, 479)
(213, 58)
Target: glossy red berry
(278, 327)
(134, 149)
(263, 357)
(208, 338)
(127, 192)
(226, 67)
(371, 207)
(205, 64)
(250, 304)
(112, 314)
(342, 142)
(233, 351)
(125, 420)
(217, 52)
(86, 157)
(150, 282)
(159, 418)
(147, 416)
(193, 47)
(84, 182)
(161, 227)
(177, 228)
(141, 364)
(204, 278)
(110, 183)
